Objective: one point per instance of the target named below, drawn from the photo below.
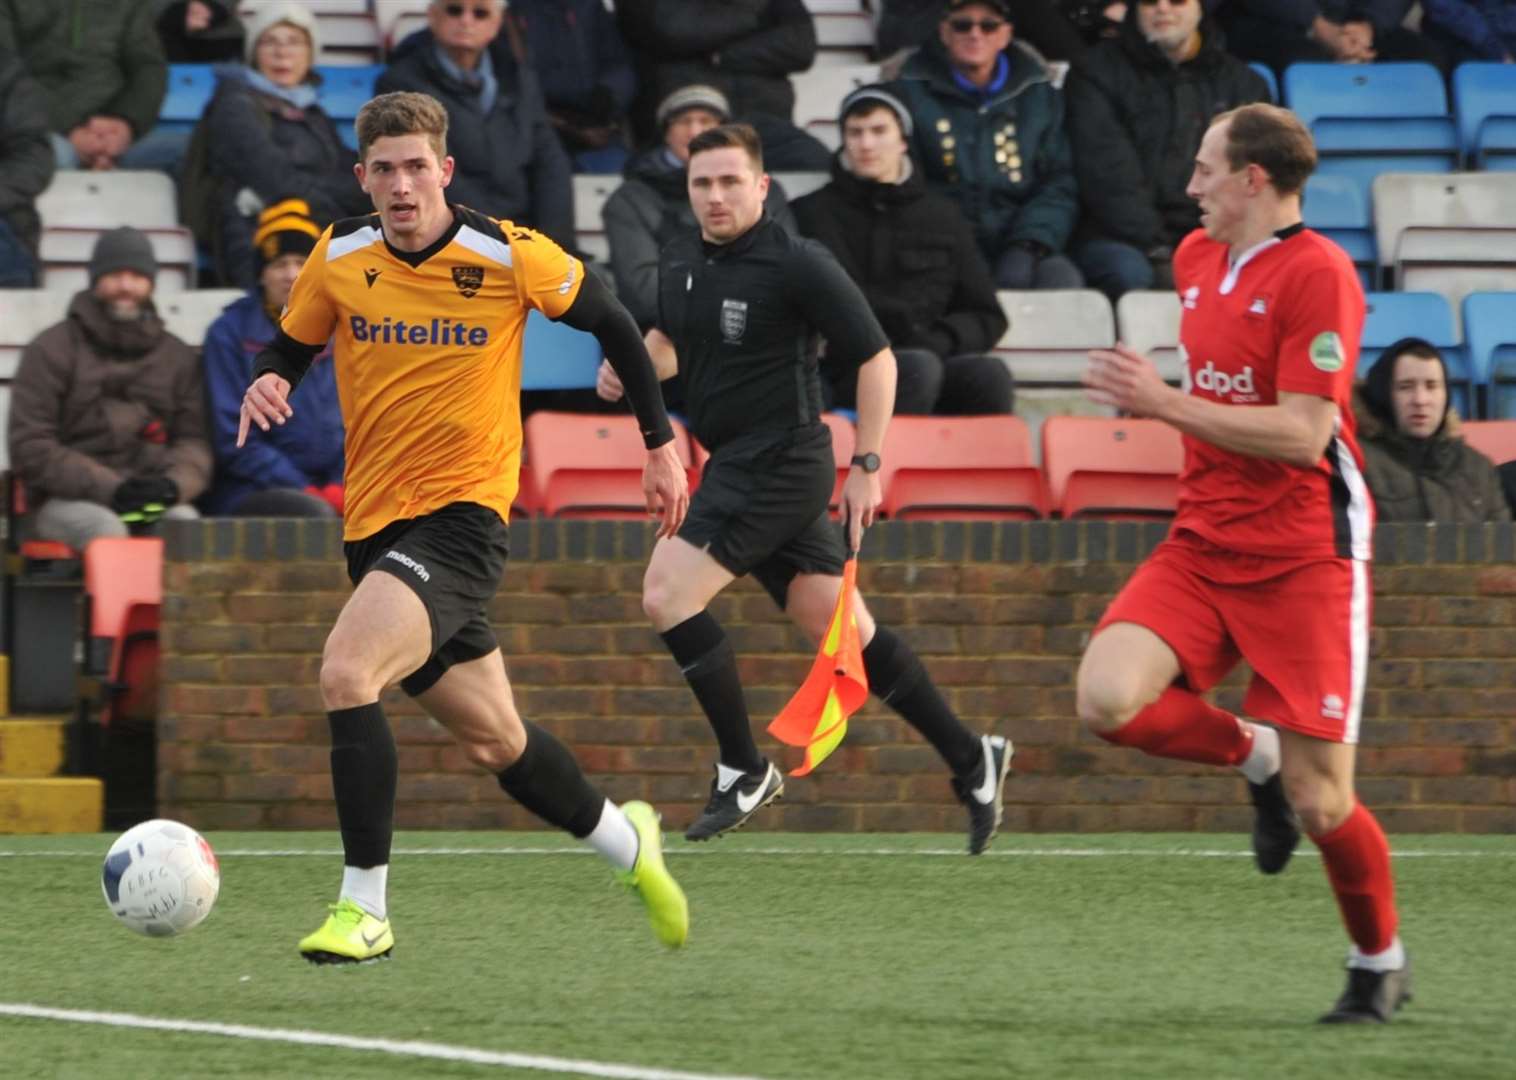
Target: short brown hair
(1275, 140)
(730, 136)
(403, 113)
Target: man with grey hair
(509, 162)
(107, 422)
(1138, 107)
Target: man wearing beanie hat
(294, 469)
(915, 259)
(1415, 460)
(107, 423)
(652, 205)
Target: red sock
(1181, 724)
(1357, 859)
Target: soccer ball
(160, 878)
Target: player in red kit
(1268, 557)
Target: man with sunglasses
(509, 162)
(989, 133)
(1138, 106)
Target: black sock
(897, 678)
(549, 782)
(364, 773)
(704, 654)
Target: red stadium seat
(1495, 439)
(586, 465)
(123, 592)
(960, 467)
(1106, 467)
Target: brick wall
(1000, 613)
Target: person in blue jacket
(292, 470)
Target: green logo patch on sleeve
(1327, 353)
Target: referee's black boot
(1276, 830)
(1371, 997)
(739, 798)
(983, 790)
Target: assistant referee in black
(742, 308)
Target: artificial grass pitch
(809, 957)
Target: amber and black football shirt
(428, 357)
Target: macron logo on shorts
(409, 563)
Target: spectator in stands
(1281, 32)
(1138, 107)
(989, 132)
(264, 137)
(1471, 29)
(915, 259)
(26, 168)
(107, 421)
(200, 32)
(508, 162)
(101, 67)
(1416, 463)
(747, 49)
(1052, 27)
(291, 470)
(586, 77)
(652, 205)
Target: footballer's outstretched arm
(597, 312)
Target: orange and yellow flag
(816, 717)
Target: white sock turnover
(366, 887)
(1262, 761)
(614, 837)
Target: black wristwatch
(870, 462)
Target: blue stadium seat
(557, 357)
(1489, 328)
(1267, 74)
(1484, 98)
(343, 90)
(1429, 316)
(190, 87)
(1372, 118)
(1335, 207)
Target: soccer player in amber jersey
(1267, 559)
(428, 302)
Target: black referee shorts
(453, 559)
(761, 508)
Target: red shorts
(1302, 625)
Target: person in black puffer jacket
(915, 259)
(1138, 107)
(1416, 463)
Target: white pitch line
(403, 1048)
(1042, 853)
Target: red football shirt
(1285, 316)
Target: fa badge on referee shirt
(733, 321)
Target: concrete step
(31, 746)
(53, 804)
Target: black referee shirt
(747, 317)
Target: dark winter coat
(96, 401)
(1384, 14)
(260, 142)
(1440, 478)
(26, 156)
(219, 42)
(1006, 162)
(746, 48)
(305, 451)
(650, 208)
(509, 164)
(1136, 121)
(914, 257)
(577, 53)
(92, 57)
